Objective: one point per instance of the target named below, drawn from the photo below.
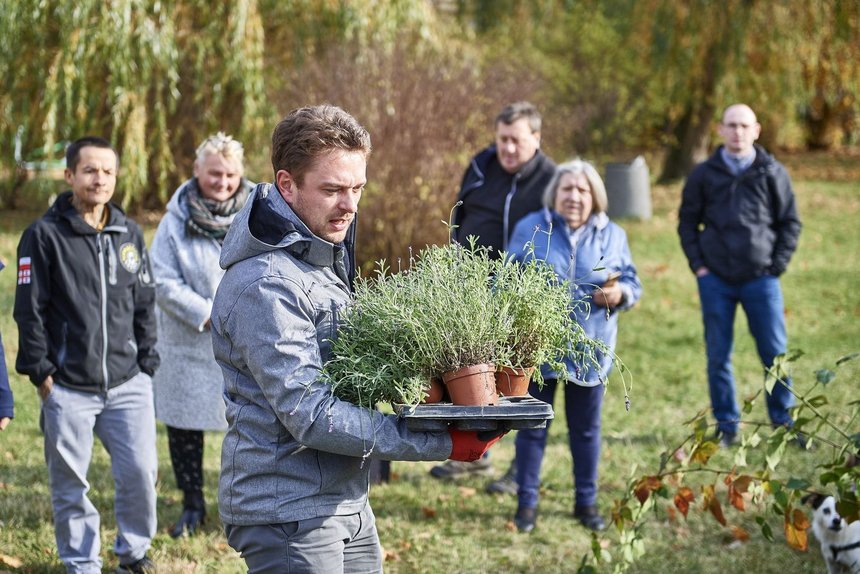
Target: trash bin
(628, 188)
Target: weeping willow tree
(153, 76)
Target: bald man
(739, 227)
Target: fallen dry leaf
(11, 561)
(429, 512)
(467, 491)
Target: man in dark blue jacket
(503, 183)
(739, 227)
(85, 308)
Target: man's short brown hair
(307, 133)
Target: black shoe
(189, 521)
(458, 468)
(525, 519)
(726, 439)
(506, 484)
(589, 517)
(142, 566)
(802, 441)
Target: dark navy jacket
(739, 226)
(495, 200)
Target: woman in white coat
(185, 253)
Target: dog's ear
(813, 499)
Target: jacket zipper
(507, 214)
(103, 286)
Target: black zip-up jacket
(739, 226)
(495, 200)
(85, 301)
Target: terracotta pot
(474, 385)
(513, 382)
(435, 390)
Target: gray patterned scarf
(213, 218)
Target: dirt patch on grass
(837, 165)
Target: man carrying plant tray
(294, 465)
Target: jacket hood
(267, 223)
(488, 154)
(177, 204)
(763, 159)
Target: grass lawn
(428, 526)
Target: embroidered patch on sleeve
(129, 256)
(24, 272)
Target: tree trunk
(693, 136)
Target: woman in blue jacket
(574, 235)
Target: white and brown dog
(840, 541)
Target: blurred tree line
(613, 78)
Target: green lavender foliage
(453, 307)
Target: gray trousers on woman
(326, 545)
(124, 421)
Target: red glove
(469, 446)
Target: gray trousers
(124, 421)
(325, 545)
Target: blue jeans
(324, 545)
(124, 421)
(582, 407)
(762, 302)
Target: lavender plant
(452, 307)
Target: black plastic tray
(511, 413)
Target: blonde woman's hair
(222, 144)
(577, 166)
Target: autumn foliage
(754, 487)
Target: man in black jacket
(85, 308)
(503, 183)
(739, 227)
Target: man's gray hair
(518, 111)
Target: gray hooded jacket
(292, 450)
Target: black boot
(193, 514)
